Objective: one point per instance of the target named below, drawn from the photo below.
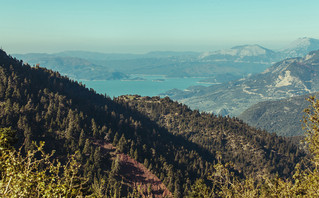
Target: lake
(144, 85)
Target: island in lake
(158, 80)
(135, 79)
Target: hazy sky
(143, 25)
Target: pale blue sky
(144, 25)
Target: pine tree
(97, 157)
(136, 155)
(121, 146)
(116, 166)
(95, 131)
(86, 148)
(115, 139)
(81, 138)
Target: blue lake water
(150, 86)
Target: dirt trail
(137, 175)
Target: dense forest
(181, 147)
(252, 151)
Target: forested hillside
(176, 144)
(42, 105)
(252, 151)
(278, 116)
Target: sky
(139, 26)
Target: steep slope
(42, 105)
(280, 116)
(246, 147)
(288, 78)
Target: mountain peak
(301, 47)
(301, 42)
(251, 50)
(253, 46)
(241, 51)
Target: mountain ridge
(287, 78)
(241, 53)
(238, 61)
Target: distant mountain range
(218, 66)
(287, 78)
(171, 64)
(257, 53)
(244, 53)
